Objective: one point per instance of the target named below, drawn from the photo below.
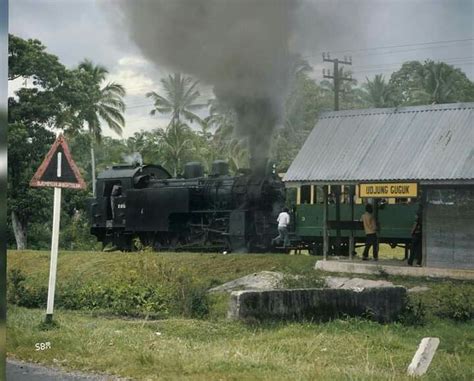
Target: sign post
(58, 170)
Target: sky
(379, 35)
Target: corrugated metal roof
(421, 143)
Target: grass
(213, 268)
(186, 349)
(213, 348)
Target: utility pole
(338, 78)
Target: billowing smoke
(241, 48)
(133, 158)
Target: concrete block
(423, 356)
(344, 266)
(383, 304)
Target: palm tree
(102, 104)
(179, 100)
(377, 92)
(439, 83)
(175, 142)
(225, 144)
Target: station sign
(388, 190)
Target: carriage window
(319, 194)
(306, 194)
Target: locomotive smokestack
(241, 48)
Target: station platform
(391, 267)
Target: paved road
(21, 371)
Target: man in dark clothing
(415, 252)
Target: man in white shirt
(283, 222)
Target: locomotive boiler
(193, 212)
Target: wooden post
(325, 223)
(423, 210)
(351, 235)
(298, 195)
(337, 195)
(311, 201)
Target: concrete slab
(356, 284)
(423, 356)
(377, 268)
(263, 280)
(383, 304)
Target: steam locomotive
(193, 212)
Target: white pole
(54, 246)
(54, 253)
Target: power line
(446, 60)
(400, 46)
(389, 52)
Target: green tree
(146, 143)
(28, 59)
(430, 83)
(377, 92)
(40, 103)
(224, 144)
(180, 99)
(175, 144)
(102, 103)
(27, 147)
(302, 106)
(350, 96)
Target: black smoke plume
(240, 47)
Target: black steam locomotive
(192, 212)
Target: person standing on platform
(415, 252)
(370, 228)
(283, 222)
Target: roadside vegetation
(148, 316)
(192, 349)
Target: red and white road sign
(58, 169)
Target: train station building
(419, 159)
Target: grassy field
(212, 348)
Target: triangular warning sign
(58, 169)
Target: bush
(414, 314)
(459, 307)
(19, 294)
(178, 293)
(196, 303)
(118, 298)
(171, 290)
(190, 298)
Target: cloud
(135, 83)
(133, 61)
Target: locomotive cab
(107, 209)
